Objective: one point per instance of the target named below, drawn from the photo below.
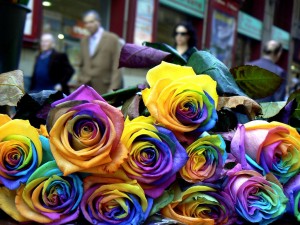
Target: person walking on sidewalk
(99, 57)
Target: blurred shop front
(233, 30)
(134, 21)
(249, 29)
(63, 19)
(248, 39)
(171, 12)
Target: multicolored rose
(207, 156)
(20, 151)
(201, 204)
(85, 133)
(292, 190)
(49, 197)
(114, 199)
(180, 100)
(256, 199)
(155, 155)
(274, 146)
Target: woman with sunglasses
(185, 39)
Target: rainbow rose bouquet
(188, 147)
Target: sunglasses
(181, 33)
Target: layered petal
(207, 156)
(85, 135)
(181, 100)
(155, 155)
(201, 204)
(49, 197)
(114, 199)
(292, 190)
(274, 146)
(255, 198)
(20, 151)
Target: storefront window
(167, 20)
(64, 20)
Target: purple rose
(155, 155)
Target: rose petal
(84, 92)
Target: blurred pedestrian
(52, 69)
(295, 83)
(185, 39)
(100, 53)
(271, 54)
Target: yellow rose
(20, 151)
(181, 100)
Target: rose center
(84, 132)
(188, 111)
(14, 158)
(115, 209)
(87, 128)
(58, 193)
(148, 156)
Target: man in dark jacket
(52, 69)
(271, 54)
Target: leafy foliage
(35, 107)
(11, 87)
(270, 109)
(227, 120)
(204, 62)
(246, 105)
(176, 57)
(290, 113)
(256, 82)
(135, 56)
(118, 97)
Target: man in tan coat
(100, 53)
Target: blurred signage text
(249, 26)
(192, 7)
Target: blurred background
(233, 30)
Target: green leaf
(177, 58)
(270, 109)
(204, 62)
(290, 113)
(161, 202)
(118, 97)
(256, 82)
(294, 95)
(295, 117)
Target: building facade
(233, 30)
